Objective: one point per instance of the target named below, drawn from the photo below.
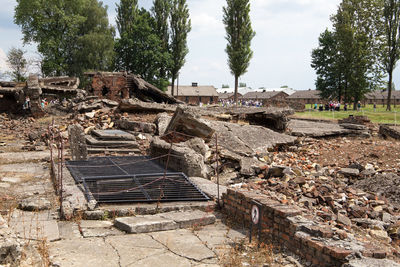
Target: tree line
(360, 52)
(74, 36)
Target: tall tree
(161, 12)
(347, 59)
(325, 62)
(126, 13)
(180, 27)
(391, 43)
(357, 34)
(72, 35)
(239, 34)
(18, 64)
(139, 50)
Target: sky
(286, 32)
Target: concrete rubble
(328, 191)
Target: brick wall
(287, 226)
(113, 87)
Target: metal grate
(132, 179)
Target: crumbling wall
(113, 87)
(285, 225)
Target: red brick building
(265, 95)
(306, 96)
(195, 94)
(380, 97)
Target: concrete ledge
(190, 218)
(144, 224)
(164, 221)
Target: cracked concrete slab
(69, 230)
(135, 248)
(100, 232)
(83, 252)
(185, 244)
(35, 225)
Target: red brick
(337, 253)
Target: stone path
(109, 247)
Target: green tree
(18, 64)
(139, 50)
(391, 41)
(73, 36)
(180, 27)
(326, 64)
(161, 12)
(347, 59)
(357, 34)
(239, 34)
(225, 86)
(126, 14)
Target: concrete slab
(83, 252)
(208, 187)
(136, 248)
(110, 143)
(100, 232)
(144, 224)
(69, 230)
(37, 230)
(95, 224)
(113, 135)
(184, 242)
(190, 219)
(165, 259)
(35, 225)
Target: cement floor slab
(184, 242)
(88, 252)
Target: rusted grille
(132, 179)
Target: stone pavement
(107, 246)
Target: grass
(378, 116)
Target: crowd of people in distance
(335, 106)
(241, 103)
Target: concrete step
(110, 143)
(113, 135)
(124, 151)
(164, 221)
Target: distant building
(287, 90)
(228, 96)
(306, 96)
(265, 95)
(380, 97)
(241, 90)
(195, 94)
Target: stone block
(190, 219)
(144, 224)
(137, 126)
(77, 141)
